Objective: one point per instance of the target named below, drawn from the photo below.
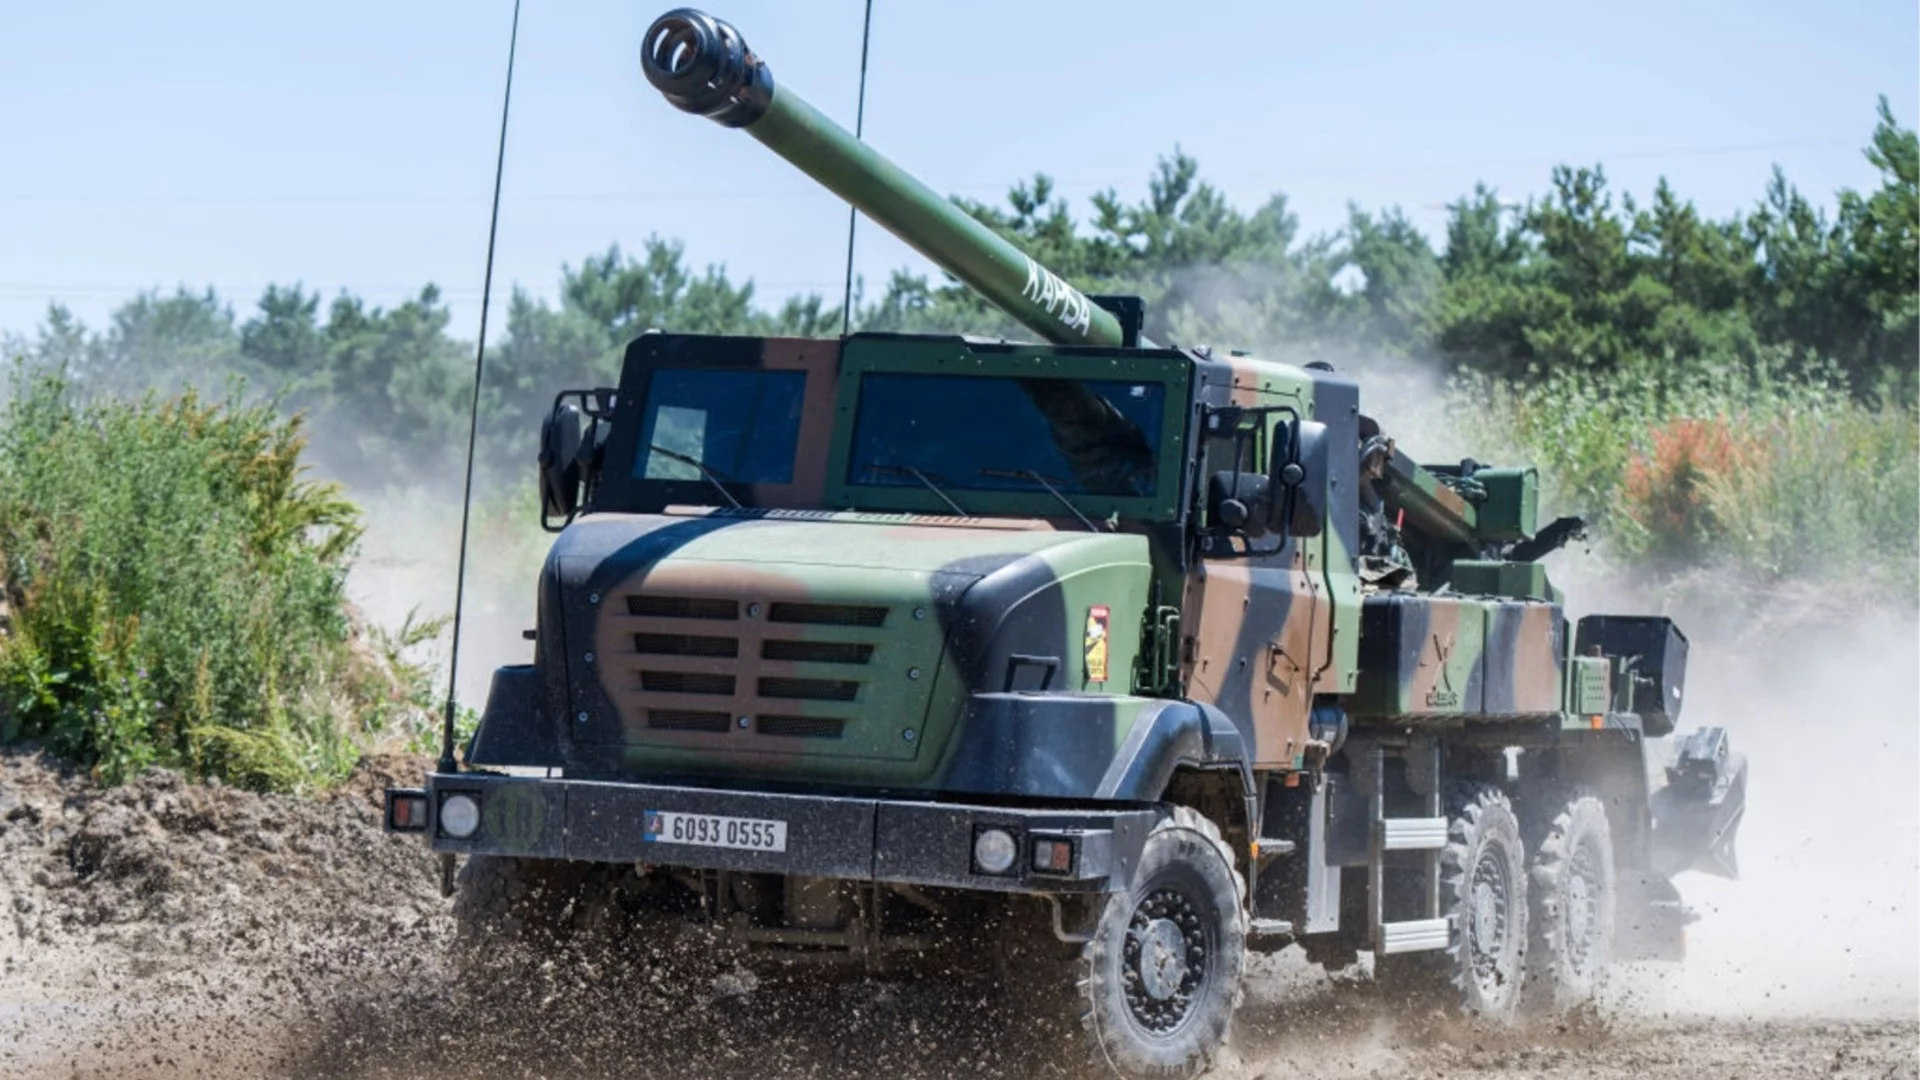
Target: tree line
(1579, 279)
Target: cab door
(1254, 612)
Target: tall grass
(1779, 476)
(177, 597)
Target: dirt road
(163, 929)
(868, 1033)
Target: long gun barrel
(703, 66)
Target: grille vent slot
(688, 720)
(810, 689)
(827, 614)
(816, 652)
(685, 682)
(682, 607)
(802, 727)
(685, 645)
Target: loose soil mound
(154, 878)
(194, 922)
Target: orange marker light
(1599, 722)
(1053, 856)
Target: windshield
(1081, 436)
(742, 426)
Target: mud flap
(1696, 816)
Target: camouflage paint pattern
(1437, 657)
(1268, 633)
(827, 647)
(793, 640)
(1430, 506)
(1265, 630)
(1257, 626)
(1525, 658)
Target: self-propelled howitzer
(703, 65)
(881, 647)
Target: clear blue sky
(350, 145)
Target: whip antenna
(448, 763)
(853, 216)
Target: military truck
(867, 648)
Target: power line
(1364, 168)
(229, 289)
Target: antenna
(853, 216)
(448, 763)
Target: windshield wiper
(705, 473)
(1029, 474)
(908, 470)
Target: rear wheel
(1574, 893)
(1483, 891)
(1162, 975)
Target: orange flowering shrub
(1669, 490)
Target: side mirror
(1298, 474)
(560, 438)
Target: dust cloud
(1825, 919)
(408, 567)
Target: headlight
(994, 850)
(459, 816)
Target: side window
(1247, 445)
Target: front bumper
(859, 839)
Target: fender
(1179, 733)
(513, 730)
(1088, 746)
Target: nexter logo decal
(1097, 618)
(1443, 695)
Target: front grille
(685, 682)
(688, 720)
(810, 689)
(816, 652)
(685, 645)
(802, 727)
(738, 667)
(682, 607)
(827, 614)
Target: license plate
(711, 830)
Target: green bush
(1767, 468)
(177, 593)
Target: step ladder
(1425, 834)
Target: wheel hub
(1487, 934)
(1583, 910)
(1165, 960)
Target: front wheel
(1161, 976)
